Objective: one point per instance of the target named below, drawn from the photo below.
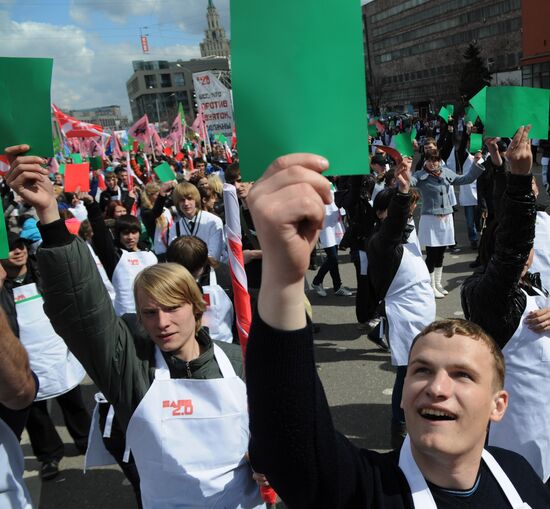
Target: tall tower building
(215, 44)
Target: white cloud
(189, 15)
(87, 72)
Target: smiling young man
(452, 391)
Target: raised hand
(403, 175)
(519, 153)
(30, 181)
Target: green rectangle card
(25, 104)
(77, 158)
(373, 131)
(444, 114)
(296, 103)
(164, 172)
(450, 109)
(476, 142)
(508, 108)
(61, 169)
(403, 144)
(471, 114)
(479, 102)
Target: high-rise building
(414, 48)
(157, 87)
(215, 44)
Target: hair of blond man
(170, 285)
(186, 190)
(457, 326)
(215, 184)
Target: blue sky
(93, 43)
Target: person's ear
(500, 404)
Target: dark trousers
(398, 416)
(45, 441)
(434, 257)
(329, 265)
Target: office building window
(151, 81)
(179, 79)
(165, 81)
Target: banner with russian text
(214, 100)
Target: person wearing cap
(58, 371)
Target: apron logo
(133, 261)
(20, 297)
(180, 407)
(206, 298)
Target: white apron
(102, 273)
(421, 494)
(97, 454)
(13, 490)
(160, 241)
(131, 263)
(436, 231)
(218, 316)
(409, 303)
(189, 438)
(525, 427)
(468, 192)
(333, 229)
(541, 261)
(57, 369)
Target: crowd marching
(147, 274)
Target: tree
(475, 75)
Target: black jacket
(493, 298)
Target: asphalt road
(358, 380)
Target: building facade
(414, 49)
(157, 87)
(109, 117)
(535, 64)
(215, 43)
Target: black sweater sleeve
(493, 299)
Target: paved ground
(357, 377)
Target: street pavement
(357, 377)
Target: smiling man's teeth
(436, 413)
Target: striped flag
(74, 128)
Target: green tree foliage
(475, 75)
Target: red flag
(101, 181)
(233, 138)
(140, 130)
(4, 164)
(74, 128)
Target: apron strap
(223, 362)
(504, 482)
(213, 280)
(421, 494)
(161, 368)
(109, 422)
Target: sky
(93, 42)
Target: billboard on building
(214, 100)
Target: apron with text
(218, 316)
(189, 439)
(421, 494)
(525, 427)
(131, 263)
(409, 302)
(57, 369)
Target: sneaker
(379, 342)
(368, 326)
(49, 470)
(320, 290)
(454, 249)
(343, 291)
(437, 293)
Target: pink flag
(176, 131)
(198, 125)
(74, 128)
(140, 130)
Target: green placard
(292, 105)
(444, 114)
(403, 144)
(413, 134)
(4, 245)
(25, 104)
(450, 109)
(57, 145)
(479, 103)
(127, 148)
(77, 158)
(61, 169)
(476, 142)
(96, 163)
(508, 108)
(373, 131)
(471, 115)
(164, 172)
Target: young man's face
(123, 178)
(450, 395)
(110, 181)
(18, 256)
(200, 166)
(129, 239)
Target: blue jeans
(471, 220)
(329, 265)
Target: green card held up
(25, 104)
(77, 158)
(77, 177)
(508, 108)
(479, 103)
(4, 245)
(96, 163)
(450, 109)
(403, 144)
(476, 142)
(294, 104)
(164, 172)
(444, 114)
(373, 131)
(471, 114)
(61, 169)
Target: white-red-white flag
(74, 128)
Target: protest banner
(77, 177)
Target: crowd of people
(129, 283)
